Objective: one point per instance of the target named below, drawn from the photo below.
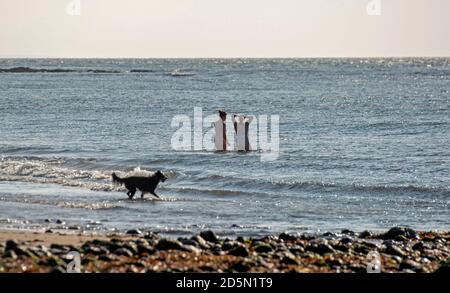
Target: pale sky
(224, 28)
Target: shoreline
(399, 249)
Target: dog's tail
(117, 179)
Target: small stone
(320, 248)
(49, 231)
(346, 240)
(287, 237)
(410, 265)
(444, 267)
(394, 250)
(288, 260)
(10, 254)
(418, 246)
(241, 267)
(187, 241)
(57, 270)
(263, 247)
(230, 244)
(123, 252)
(209, 236)
(23, 251)
(365, 234)
(95, 250)
(10, 245)
(201, 242)
(142, 249)
(399, 231)
(60, 222)
(105, 257)
(167, 244)
(348, 232)
(134, 232)
(239, 251)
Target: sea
(363, 144)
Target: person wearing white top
(241, 128)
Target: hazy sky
(224, 28)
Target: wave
(91, 174)
(258, 184)
(67, 172)
(180, 72)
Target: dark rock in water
(395, 232)
(60, 222)
(348, 232)
(262, 247)
(123, 252)
(289, 260)
(410, 265)
(209, 236)
(57, 270)
(320, 248)
(287, 237)
(167, 244)
(365, 234)
(134, 232)
(10, 245)
(239, 251)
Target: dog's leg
(142, 195)
(152, 192)
(131, 193)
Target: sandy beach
(399, 250)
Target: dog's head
(160, 176)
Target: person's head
(223, 115)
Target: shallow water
(363, 144)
